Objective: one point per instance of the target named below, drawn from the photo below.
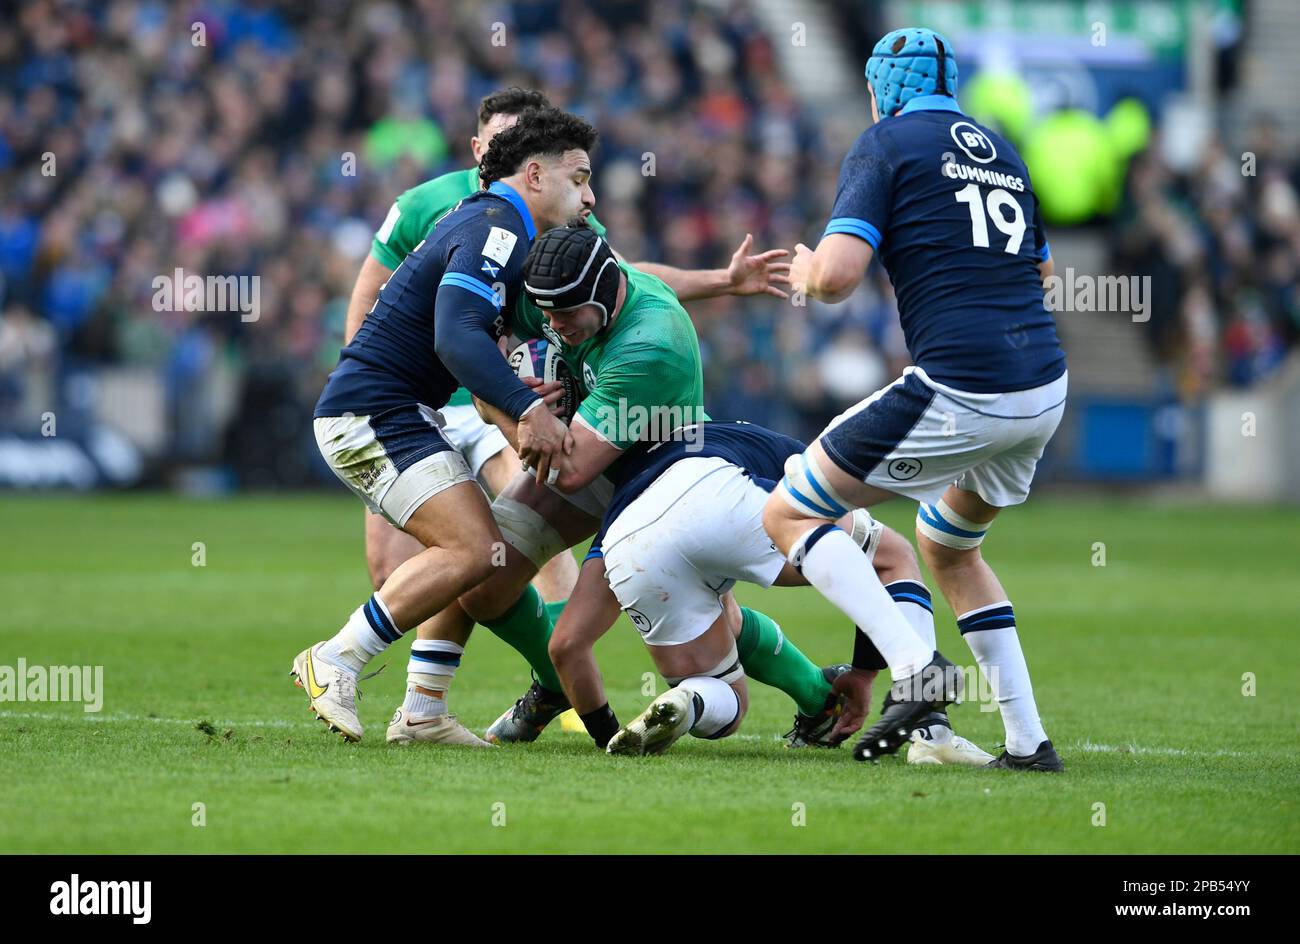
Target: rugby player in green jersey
(633, 351)
(409, 220)
(491, 460)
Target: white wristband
(532, 406)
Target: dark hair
(539, 131)
(510, 101)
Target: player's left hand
(801, 268)
(760, 274)
(855, 688)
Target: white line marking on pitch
(216, 722)
(1089, 747)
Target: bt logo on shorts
(974, 142)
(639, 620)
(903, 469)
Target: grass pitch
(1138, 666)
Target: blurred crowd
(242, 137)
(1220, 240)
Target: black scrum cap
(570, 266)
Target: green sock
(527, 626)
(770, 657)
(553, 610)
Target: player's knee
(527, 531)
(741, 690)
(946, 538)
(720, 702)
(941, 559)
(473, 562)
(780, 521)
(561, 648)
(494, 595)
(380, 569)
(386, 551)
(497, 472)
(803, 495)
(895, 559)
(386, 558)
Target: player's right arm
(746, 274)
(467, 310)
(832, 272)
(858, 221)
(590, 612)
(552, 393)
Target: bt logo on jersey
(977, 145)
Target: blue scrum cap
(908, 63)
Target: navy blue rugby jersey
(435, 324)
(948, 207)
(756, 450)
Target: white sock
(831, 562)
(913, 600)
(419, 705)
(368, 632)
(720, 705)
(990, 631)
(432, 666)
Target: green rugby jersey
(413, 214)
(641, 378)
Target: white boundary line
(101, 718)
(1089, 747)
(1086, 746)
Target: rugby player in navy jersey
(948, 207)
(435, 327)
(684, 524)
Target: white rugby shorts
(684, 542)
(915, 437)
(393, 461)
(474, 439)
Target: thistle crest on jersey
(909, 63)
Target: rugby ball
(541, 358)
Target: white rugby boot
(956, 750)
(331, 690)
(440, 729)
(655, 729)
